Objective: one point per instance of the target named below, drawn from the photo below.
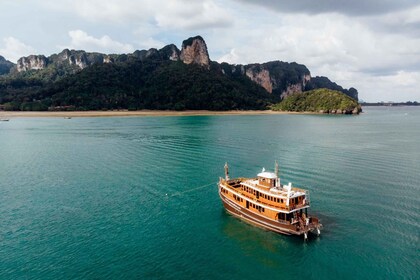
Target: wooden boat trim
(262, 204)
(252, 220)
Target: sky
(371, 45)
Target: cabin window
(281, 200)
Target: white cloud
(342, 48)
(81, 40)
(13, 49)
(166, 14)
(192, 15)
(116, 11)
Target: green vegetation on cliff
(319, 100)
(165, 79)
(150, 84)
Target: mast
(226, 171)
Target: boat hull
(258, 220)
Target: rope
(191, 190)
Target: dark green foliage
(154, 83)
(147, 79)
(285, 74)
(317, 100)
(324, 82)
(33, 106)
(5, 66)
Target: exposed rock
(298, 87)
(5, 66)
(291, 89)
(64, 55)
(79, 60)
(108, 59)
(281, 79)
(32, 62)
(194, 50)
(277, 77)
(339, 111)
(261, 77)
(356, 111)
(170, 52)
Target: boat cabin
(267, 180)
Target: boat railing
(281, 207)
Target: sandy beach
(126, 113)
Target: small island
(324, 101)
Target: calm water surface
(94, 198)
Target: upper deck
(277, 198)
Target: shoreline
(141, 113)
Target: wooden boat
(265, 202)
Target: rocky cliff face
(79, 59)
(170, 52)
(194, 50)
(296, 87)
(5, 66)
(281, 79)
(32, 62)
(261, 77)
(276, 77)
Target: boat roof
(280, 191)
(268, 175)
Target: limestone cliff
(5, 66)
(296, 87)
(170, 52)
(32, 62)
(261, 77)
(276, 77)
(78, 59)
(194, 50)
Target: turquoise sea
(136, 198)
